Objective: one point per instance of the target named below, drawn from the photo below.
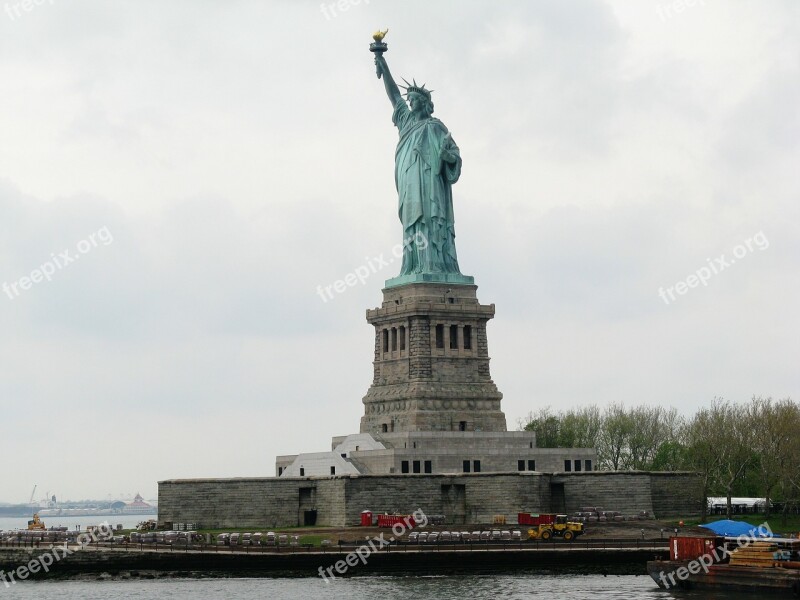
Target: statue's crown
(413, 87)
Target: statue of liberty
(427, 164)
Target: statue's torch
(379, 47)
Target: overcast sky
(206, 165)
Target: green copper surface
(427, 164)
(454, 278)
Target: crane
(33, 493)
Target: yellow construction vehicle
(36, 523)
(548, 526)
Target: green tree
(613, 443)
(737, 449)
(547, 427)
(701, 452)
(733, 434)
(774, 424)
(580, 428)
(575, 428)
(672, 455)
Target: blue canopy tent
(730, 528)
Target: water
(127, 521)
(488, 587)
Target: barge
(768, 566)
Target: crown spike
(415, 87)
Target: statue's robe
(424, 191)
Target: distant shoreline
(51, 513)
(13, 512)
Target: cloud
(241, 154)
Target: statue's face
(417, 102)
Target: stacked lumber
(757, 554)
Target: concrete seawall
(337, 501)
(562, 559)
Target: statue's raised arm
(378, 47)
(388, 82)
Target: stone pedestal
(431, 367)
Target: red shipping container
(690, 548)
(391, 520)
(529, 519)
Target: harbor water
(483, 587)
(127, 521)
